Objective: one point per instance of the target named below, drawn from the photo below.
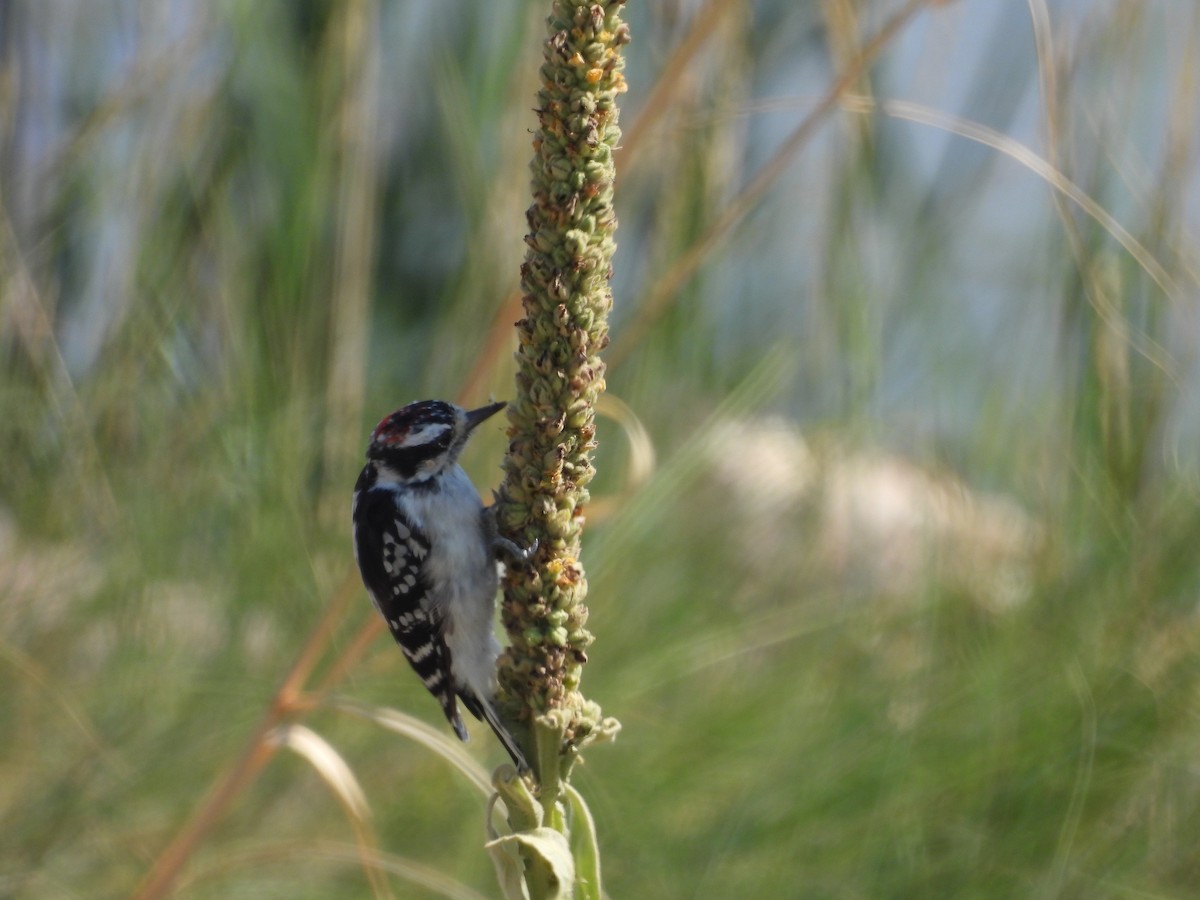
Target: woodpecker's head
(422, 439)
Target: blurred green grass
(907, 608)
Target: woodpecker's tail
(483, 710)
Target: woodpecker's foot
(514, 551)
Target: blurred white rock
(879, 523)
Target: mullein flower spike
(566, 297)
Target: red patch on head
(395, 428)
(391, 430)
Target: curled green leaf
(547, 849)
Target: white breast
(462, 575)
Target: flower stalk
(566, 300)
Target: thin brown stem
(357, 176)
(170, 862)
(288, 699)
(499, 338)
(668, 286)
(340, 668)
(703, 25)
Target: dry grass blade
(672, 281)
(704, 24)
(37, 676)
(254, 756)
(147, 75)
(327, 851)
(329, 764)
(641, 453)
(1014, 149)
(336, 772)
(357, 175)
(423, 734)
(641, 447)
(22, 305)
(499, 338)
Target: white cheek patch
(426, 434)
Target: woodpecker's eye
(442, 441)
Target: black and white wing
(391, 553)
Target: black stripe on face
(413, 435)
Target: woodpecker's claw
(514, 551)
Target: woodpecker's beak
(476, 416)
